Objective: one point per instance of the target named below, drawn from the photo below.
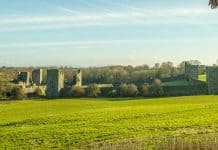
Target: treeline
(129, 74)
(115, 74)
(128, 81)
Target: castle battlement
(212, 79)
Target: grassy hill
(176, 83)
(109, 123)
(183, 82)
(202, 77)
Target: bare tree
(213, 3)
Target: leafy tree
(166, 69)
(181, 67)
(157, 66)
(93, 90)
(124, 74)
(138, 77)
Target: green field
(176, 83)
(108, 123)
(183, 82)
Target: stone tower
(37, 76)
(24, 77)
(78, 78)
(191, 71)
(212, 79)
(55, 82)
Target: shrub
(128, 90)
(5, 90)
(77, 91)
(145, 90)
(18, 93)
(156, 89)
(122, 90)
(93, 90)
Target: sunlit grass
(80, 123)
(202, 77)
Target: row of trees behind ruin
(128, 78)
(130, 74)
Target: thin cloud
(112, 16)
(134, 16)
(76, 44)
(94, 43)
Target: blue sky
(103, 32)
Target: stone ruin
(39, 76)
(78, 79)
(49, 81)
(23, 78)
(52, 81)
(212, 79)
(55, 82)
(31, 83)
(191, 71)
